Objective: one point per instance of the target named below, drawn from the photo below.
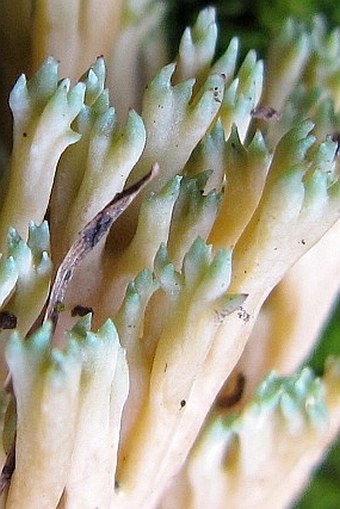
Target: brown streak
(87, 239)
(8, 468)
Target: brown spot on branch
(265, 113)
(7, 320)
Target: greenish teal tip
(215, 84)
(211, 98)
(203, 33)
(145, 282)
(199, 252)
(301, 394)
(19, 97)
(82, 326)
(43, 85)
(326, 151)
(162, 81)
(19, 250)
(248, 65)
(13, 238)
(230, 94)
(38, 343)
(170, 190)
(221, 261)
(76, 96)
(38, 237)
(197, 183)
(167, 278)
(258, 145)
(131, 293)
(94, 80)
(134, 126)
(301, 131)
(234, 140)
(216, 134)
(107, 332)
(102, 102)
(184, 91)
(106, 122)
(206, 17)
(41, 338)
(226, 64)
(8, 265)
(161, 258)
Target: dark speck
(68, 274)
(7, 320)
(81, 311)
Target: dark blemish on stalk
(24, 135)
(229, 400)
(183, 403)
(303, 242)
(81, 310)
(265, 113)
(68, 275)
(8, 320)
(165, 368)
(93, 235)
(216, 94)
(242, 314)
(8, 468)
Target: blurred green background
(256, 22)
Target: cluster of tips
(172, 267)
